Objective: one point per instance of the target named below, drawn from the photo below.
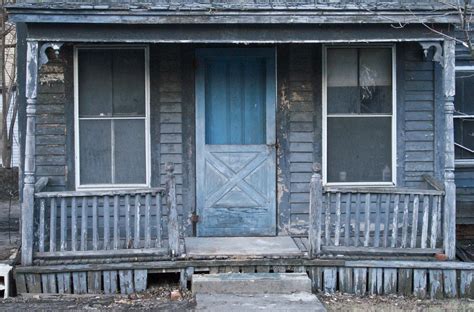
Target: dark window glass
(464, 115)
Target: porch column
(27, 207)
(450, 187)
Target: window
(112, 118)
(464, 116)
(359, 116)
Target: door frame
(200, 112)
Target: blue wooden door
(235, 142)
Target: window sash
(326, 116)
(461, 162)
(146, 119)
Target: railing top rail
(381, 190)
(92, 193)
(433, 182)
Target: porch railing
(108, 223)
(389, 221)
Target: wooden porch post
(450, 187)
(315, 211)
(27, 207)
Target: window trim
(393, 116)
(78, 185)
(466, 162)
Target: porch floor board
(283, 246)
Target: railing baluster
(63, 225)
(116, 222)
(395, 221)
(159, 242)
(378, 208)
(357, 221)
(41, 225)
(136, 240)
(387, 220)
(327, 221)
(337, 231)
(434, 221)
(367, 220)
(347, 230)
(128, 236)
(84, 224)
(414, 226)
(52, 226)
(106, 207)
(95, 230)
(406, 203)
(147, 221)
(424, 229)
(73, 225)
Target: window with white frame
(464, 116)
(112, 111)
(359, 115)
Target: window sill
(464, 163)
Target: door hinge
(194, 218)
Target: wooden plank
(262, 268)
(102, 253)
(360, 281)
(183, 278)
(387, 221)
(140, 280)
(110, 282)
(94, 282)
(389, 281)
(128, 236)
(346, 284)
(420, 286)
(84, 214)
(425, 224)
(48, 282)
(406, 202)
(64, 283)
(466, 287)
(367, 220)
(251, 269)
(106, 223)
(330, 280)
(73, 224)
(52, 225)
(375, 281)
(315, 212)
(450, 283)
(279, 269)
(136, 231)
(414, 225)
(396, 205)
(159, 240)
(147, 221)
(357, 221)
(436, 284)
(378, 209)
(95, 230)
(173, 222)
(20, 281)
(33, 283)
(327, 221)
(405, 282)
(347, 228)
(100, 193)
(79, 282)
(337, 231)
(116, 222)
(63, 225)
(434, 221)
(379, 251)
(126, 282)
(41, 225)
(380, 190)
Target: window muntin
(359, 121)
(464, 116)
(112, 141)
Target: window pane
(375, 80)
(359, 149)
(95, 151)
(343, 94)
(464, 136)
(129, 82)
(95, 82)
(464, 99)
(130, 152)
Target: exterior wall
(298, 124)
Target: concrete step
(251, 283)
(298, 302)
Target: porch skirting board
(423, 279)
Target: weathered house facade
(153, 130)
